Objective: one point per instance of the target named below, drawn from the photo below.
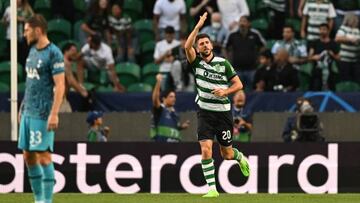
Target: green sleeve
(229, 70)
(92, 136)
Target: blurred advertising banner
(129, 167)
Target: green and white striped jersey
(208, 76)
(349, 52)
(318, 13)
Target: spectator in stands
(198, 7)
(96, 20)
(296, 49)
(277, 14)
(121, 31)
(316, 12)
(97, 133)
(71, 55)
(305, 126)
(323, 53)
(242, 48)
(344, 7)
(97, 55)
(169, 13)
(24, 12)
(165, 54)
(216, 32)
(165, 126)
(283, 77)
(266, 60)
(242, 118)
(349, 38)
(231, 12)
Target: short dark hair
(289, 26)
(67, 46)
(324, 25)
(166, 93)
(200, 36)
(267, 54)
(95, 39)
(37, 20)
(169, 30)
(246, 18)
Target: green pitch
(183, 198)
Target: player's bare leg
(230, 153)
(207, 165)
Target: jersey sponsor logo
(32, 73)
(59, 65)
(213, 76)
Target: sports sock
(209, 172)
(48, 182)
(35, 174)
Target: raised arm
(189, 49)
(156, 92)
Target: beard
(31, 42)
(204, 54)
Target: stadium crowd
(274, 45)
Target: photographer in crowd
(305, 126)
(242, 118)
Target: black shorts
(215, 124)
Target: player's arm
(69, 76)
(59, 80)
(156, 92)
(236, 85)
(189, 49)
(114, 78)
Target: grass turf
(183, 198)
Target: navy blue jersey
(41, 66)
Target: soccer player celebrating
(212, 75)
(45, 85)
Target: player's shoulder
(218, 59)
(221, 60)
(53, 49)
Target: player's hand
(219, 92)
(19, 116)
(159, 77)
(119, 88)
(53, 122)
(242, 122)
(201, 21)
(185, 124)
(106, 130)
